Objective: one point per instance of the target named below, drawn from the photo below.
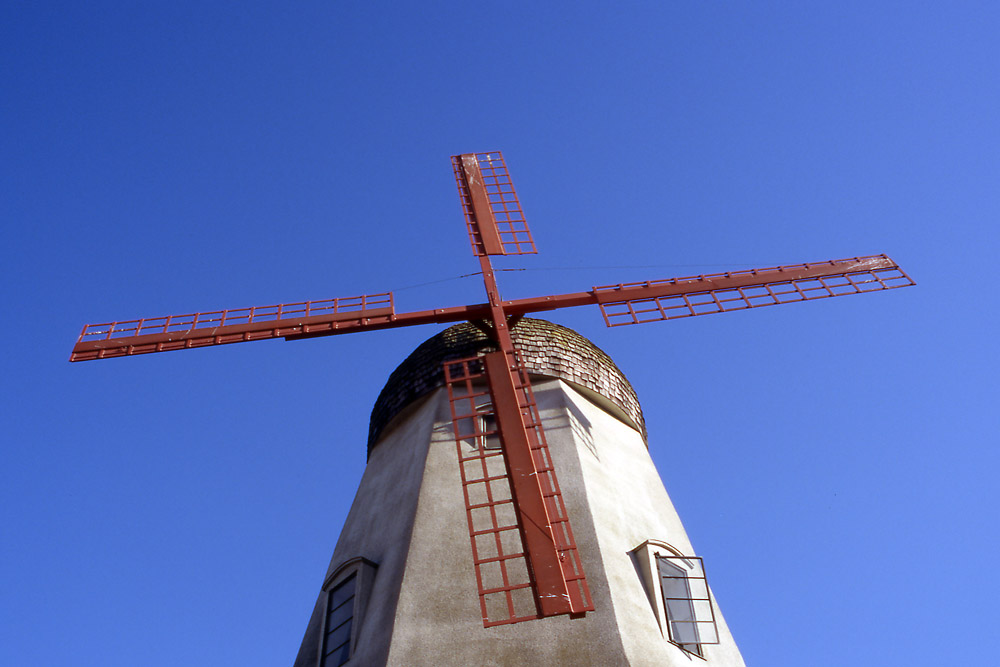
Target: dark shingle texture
(546, 349)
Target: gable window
(346, 593)
(687, 604)
(339, 619)
(678, 594)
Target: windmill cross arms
(633, 303)
(627, 303)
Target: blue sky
(834, 462)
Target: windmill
(490, 396)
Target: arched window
(678, 592)
(339, 622)
(347, 592)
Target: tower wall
(378, 528)
(409, 520)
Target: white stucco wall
(409, 518)
(628, 505)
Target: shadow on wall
(577, 422)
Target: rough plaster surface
(409, 519)
(378, 528)
(424, 608)
(628, 506)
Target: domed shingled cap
(546, 349)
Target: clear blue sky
(834, 462)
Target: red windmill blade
(492, 211)
(490, 396)
(652, 301)
(517, 519)
(221, 327)
(553, 568)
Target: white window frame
(646, 558)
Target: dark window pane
(340, 614)
(338, 656)
(339, 635)
(341, 593)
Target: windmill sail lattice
(508, 590)
(652, 301)
(493, 213)
(527, 564)
(627, 303)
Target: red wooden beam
(493, 214)
(736, 279)
(653, 301)
(177, 332)
(106, 346)
(536, 528)
(483, 220)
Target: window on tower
(339, 619)
(678, 593)
(479, 429)
(347, 591)
(687, 603)
(489, 435)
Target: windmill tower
(396, 592)
(429, 567)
